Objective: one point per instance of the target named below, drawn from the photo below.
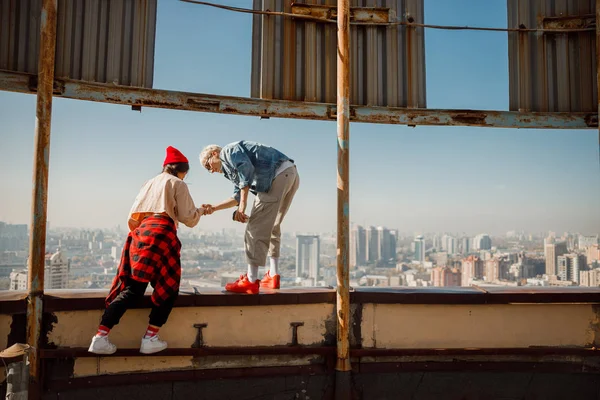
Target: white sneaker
(101, 345)
(152, 345)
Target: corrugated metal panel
(549, 71)
(294, 59)
(107, 41)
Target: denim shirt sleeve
(236, 193)
(243, 166)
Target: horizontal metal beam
(168, 99)
(376, 15)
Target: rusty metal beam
(169, 99)
(343, 367)
(375, 15)
(598, 66)
(568, 22)
(37, 236)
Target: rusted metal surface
(569, 22)
(37, 236)
(169, 99)
(598, 66)
(110, 41)
(294, 59)
(343, 187)
(374, 15)
(552, 71)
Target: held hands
(240, 216)
(208, 209)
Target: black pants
(130, 296)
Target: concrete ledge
(14, 302)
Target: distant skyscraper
(308, 248)
(445, 277)
(482, 242)
(56, 273)
(551, 252)
(465, 245)
(451, 245)
(419, 248)
(372, 244)
(358, 246)
(492, 270)
(587, 241)
(472, 268)
(437, 242)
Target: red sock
(151, 331)
(102, 331)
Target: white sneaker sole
(151, 351)
(91, 350)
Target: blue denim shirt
(251, 164)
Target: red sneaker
(270, 282)
(243, 285)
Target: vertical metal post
(342, 387)
(598, 67)
(37, 237)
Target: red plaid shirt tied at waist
(151, 254)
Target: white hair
(207, 152)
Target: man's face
(213, 164)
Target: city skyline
(419, 179)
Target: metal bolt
(199, 339)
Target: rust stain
(591, 120)
(475, 118)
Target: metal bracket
(374, 15)
(295, 326)
(568, 22)
(199, 339)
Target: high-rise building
(451, 245)
(358, 246)
(551, 252)
(419, 249)
(472, 268)
(492, 270)
(437, 242)
(392, 249)
(590, 278)
(585, 242)
(308, 248)
(465, 245)
(569, 266)
(56, 273)
(445, 277)
(383, 243)
(593, 253)
(372, 244)
(482, 242)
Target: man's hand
(240, 217)
(208, 209)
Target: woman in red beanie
(151, 254)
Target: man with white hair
(273, 178)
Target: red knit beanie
(174, 156)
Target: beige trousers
(263, 232)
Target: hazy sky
(411, 179)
